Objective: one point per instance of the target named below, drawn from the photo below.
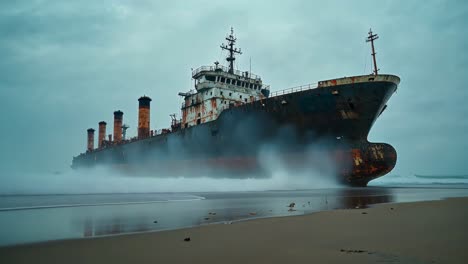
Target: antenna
(230, 47)
(371, 39)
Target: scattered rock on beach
(207, 218)
(187, 239)
(155, 221)
(353, 250)
(252, 213)
(364, 213)
(212, 213)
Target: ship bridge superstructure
(218, 88)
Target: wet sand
(421, 232)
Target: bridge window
(230, 94)
(221, 93)
(223, 79)
(240, 96)
(210, 78)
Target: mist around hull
(316, 171)
(101, 180)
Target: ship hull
(302, 130)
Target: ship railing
(294, 89)
(221, 68)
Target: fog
(102, 180)
(68, 65)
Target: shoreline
(412, 232)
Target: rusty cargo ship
(231, 117)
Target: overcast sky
(66, 65)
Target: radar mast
(231, 40)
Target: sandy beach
(421, 232)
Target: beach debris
(353, 250)
(212, 213)
(187, 239)
(391, 208)
(155, 221)
(291, 205)
(207, 218)
(252, 213)
(364, 213)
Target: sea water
(30, 218)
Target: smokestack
(90, 139)
(118, 116)
(144, 117)
(102, 133)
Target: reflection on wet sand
(230, 209)
(363, 198)
(114, 226)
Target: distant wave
(442, 176)
(419, 179)
(195, 198)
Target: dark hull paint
(333, 122)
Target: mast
(371, 39)
(231, 40)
